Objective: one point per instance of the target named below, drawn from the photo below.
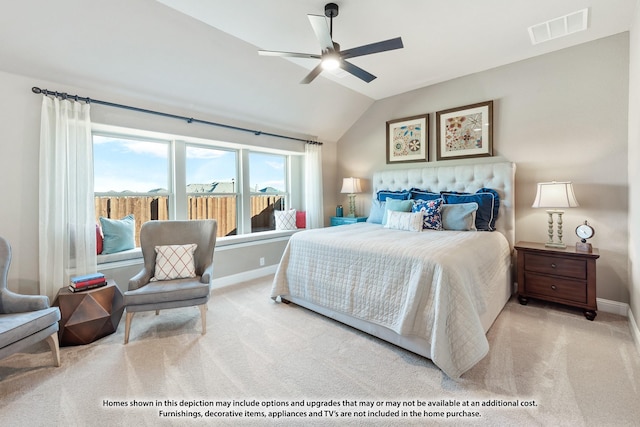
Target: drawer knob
(554, 287)
(553, 265)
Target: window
(268, 184)
(131, 177)
(159, 177)
(212, 179)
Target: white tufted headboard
(499, 176)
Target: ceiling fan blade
(312, 75)
(357, 71)
(368, 49)
(288, 54)
(320, 27)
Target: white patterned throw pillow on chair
(175, 262)
(286, 220)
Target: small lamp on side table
(351, 186)
(555, 195)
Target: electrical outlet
(261, 261)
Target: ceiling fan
(332, 57)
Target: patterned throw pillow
(175, 262)
(286, 220)
(407, 221)
(431, 210)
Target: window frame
(286, 195)
(177, 192)
(237, 186)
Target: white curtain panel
(67, 219)
(313, 185)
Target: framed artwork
(408, 139)
(465, 132)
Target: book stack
(88, 281)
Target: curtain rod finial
(36, 90)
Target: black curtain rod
(63, 95)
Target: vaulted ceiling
(201, 56)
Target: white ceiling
(201, 56)
(442, 39)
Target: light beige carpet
(257, 352)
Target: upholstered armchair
(177, 271)
(24, 319)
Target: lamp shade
(555, 195)
(351, 185)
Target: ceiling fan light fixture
(330, 61)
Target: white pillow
(286, 220)
(407, 221)
(175, 262)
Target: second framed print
(465, 132)
(408, 139)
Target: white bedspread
(433, 284)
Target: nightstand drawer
(574, 268)
(556, 288)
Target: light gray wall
(560, 116)
(19, 153)
(634, 170)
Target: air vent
(559, 27)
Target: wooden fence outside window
(221, 208)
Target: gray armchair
(24, 319)
(145, 294)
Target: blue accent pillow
(383, 195)
(376, 214)
(396, 205)
(431, 216)
(488, 202)
(118, 234)
(459, 217)
(417, 194)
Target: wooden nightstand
(342, 220)
(558, 275)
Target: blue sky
(140, 166)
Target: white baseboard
(614, 307)
(244, 276)
(633, 327)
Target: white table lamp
(555, 195)
(351, 186)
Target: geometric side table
(86, 316)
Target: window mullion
(179, 182)
(244, 196)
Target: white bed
(435, 293)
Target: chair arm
(139, 280)
(207, 274)
(19, 303)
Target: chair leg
(127, 326)
(52, 340)
(157, 312)
(203, 315)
